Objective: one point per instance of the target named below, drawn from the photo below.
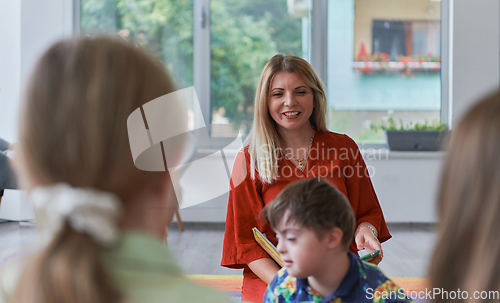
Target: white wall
(10, 60)
(10, 76)
(27, 28)
(406, 185)
(42, 23)
(476, 52)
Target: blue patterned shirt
(363, 282)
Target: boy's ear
(334, 237)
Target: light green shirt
(143, 270)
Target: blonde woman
(467, 255)
(104, 218)
(289, 141)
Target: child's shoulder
(375, 282)
(282, 286)
(283, 280)
(370, 273)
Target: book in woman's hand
(267, 246)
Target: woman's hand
(365, 239)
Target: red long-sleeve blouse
(333, 157)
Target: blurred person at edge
(467, 257)
(102, 219)
(289, 141)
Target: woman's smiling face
(291, 101)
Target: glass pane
(244, 35)
(383, 62)
(164, 27)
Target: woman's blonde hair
(467, 253)
(265, 143)
(73, 129)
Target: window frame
(318, 54)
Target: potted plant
(427, 136)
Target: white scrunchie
(86, 210)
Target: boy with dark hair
(315, 223)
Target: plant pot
(416, 140)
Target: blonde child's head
(74, 114)
(73, 129)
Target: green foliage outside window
(244, 35)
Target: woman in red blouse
(289, 141)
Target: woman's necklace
(303, 160)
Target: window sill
(381, 152)
(369, 154)
(393, 155)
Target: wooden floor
(199, 247)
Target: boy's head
(314, 222)
(315, 205)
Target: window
(145, 23)
(383, 57)
(389, 37)
(383, 61)
(244, 35)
